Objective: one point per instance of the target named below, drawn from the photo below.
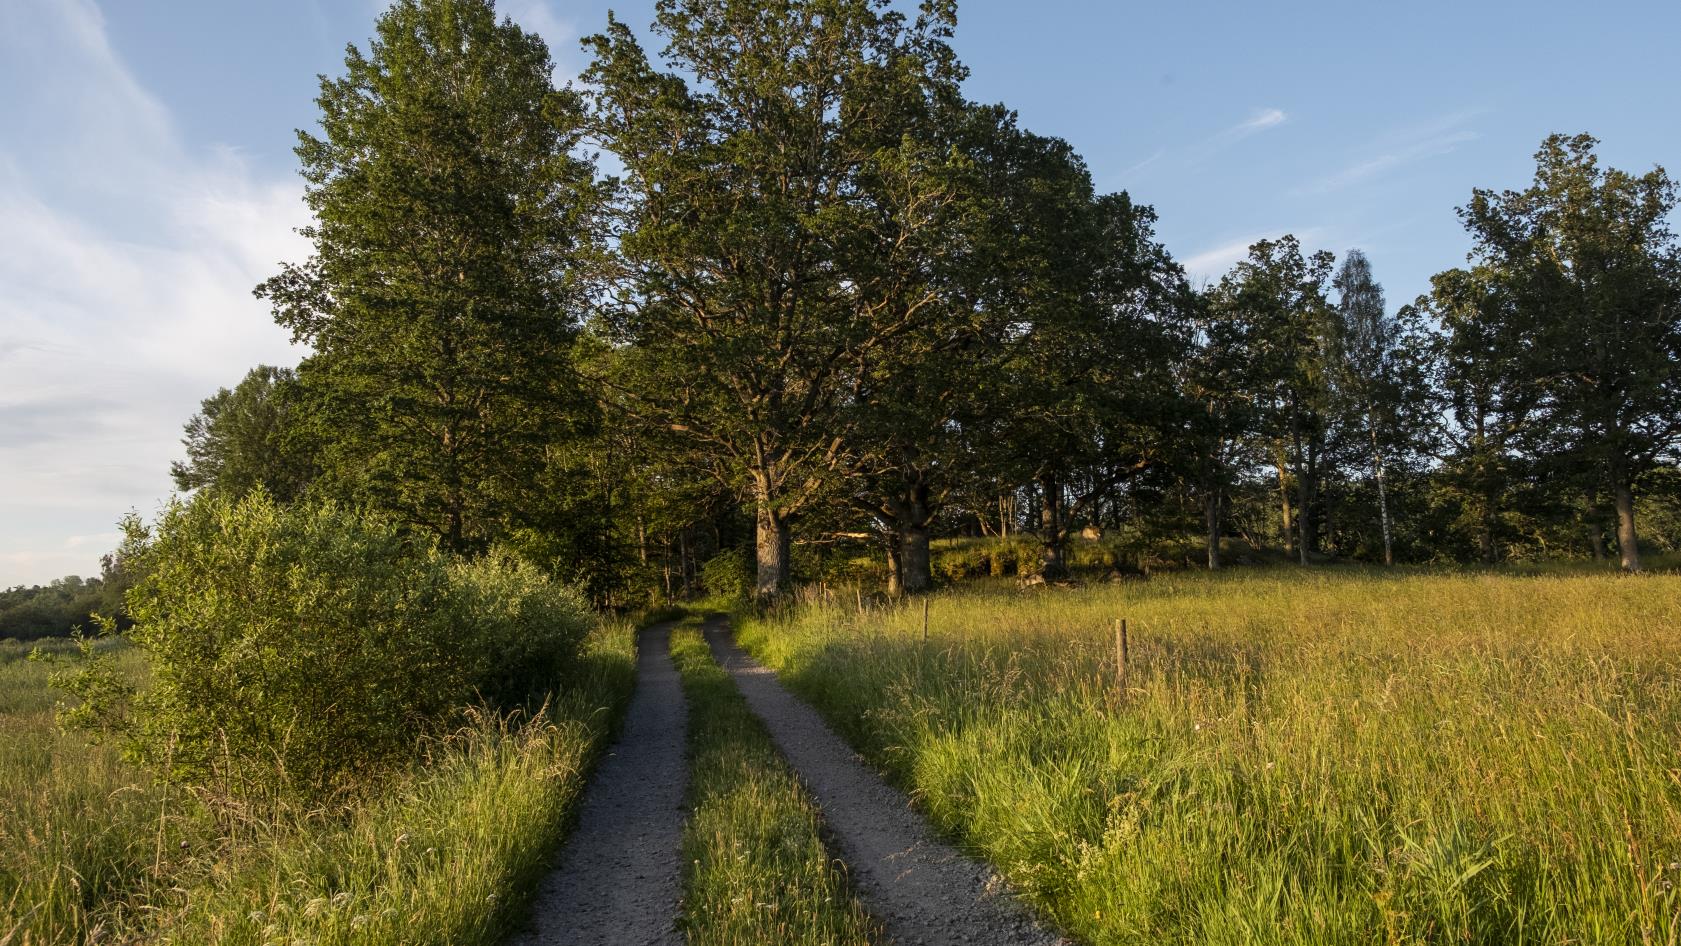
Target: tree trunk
(919, 513)
(895, 566)
(1592, 526)
(683, 570)
(1289, 530)
(773, 552)
(1211, 518)
(917, 564)
(1382, 497)
(1304, 491)
(1628, 541)
(1050, 526)
(1491, 554)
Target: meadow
(1335, 756)
(92, 849)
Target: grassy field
(1340, 756)
(92, 850)
(756, 869)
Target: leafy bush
(729, 574)
(298, 651)
(519, 630)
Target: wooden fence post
(1121, 653)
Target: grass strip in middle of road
(756, 870)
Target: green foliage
(299, 651)
(62, 606)
(777, 224)
(248, 438)
(728, 575)
(452, 227)
(1560, 357)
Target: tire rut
(922, 890)
(618, 879)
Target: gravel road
(618, 879)
(922, 890)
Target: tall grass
(82, 834)
(757, 871)
(1295, 757)
(92, 850)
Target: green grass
(81, 833)
(1337, 756)
(756, 869)
(90, 849)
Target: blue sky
(147, 180)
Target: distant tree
(1083, 401)
(248, 437)
(1278, 296)
(1216, 380)
(785, 188)
(452, 234)
(1369, 337)
(1587, 255)
(1485, 373)
(65, 605)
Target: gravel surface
(618, 879)
(922, 890)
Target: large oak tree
(785, 192)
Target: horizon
(150, 182)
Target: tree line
(61, 606)
(783, 290)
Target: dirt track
(618, 879)
(922, 890)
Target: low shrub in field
(297, 651)
(728, 575)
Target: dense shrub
(301, 650)
(729, 574)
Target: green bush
(300, 651)
(729, 574)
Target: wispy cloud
(126, 267)
(1260, 120)
(1399, 148)
(1141, 166)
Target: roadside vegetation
(1345, 756)
(756, 870)
(319, 730)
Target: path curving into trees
(922, 890)
(618, 879)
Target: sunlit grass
(756, 871)
(1320, 757)
(91, 850)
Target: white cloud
(126, 267)
(1399, 148)
(1260, 120)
